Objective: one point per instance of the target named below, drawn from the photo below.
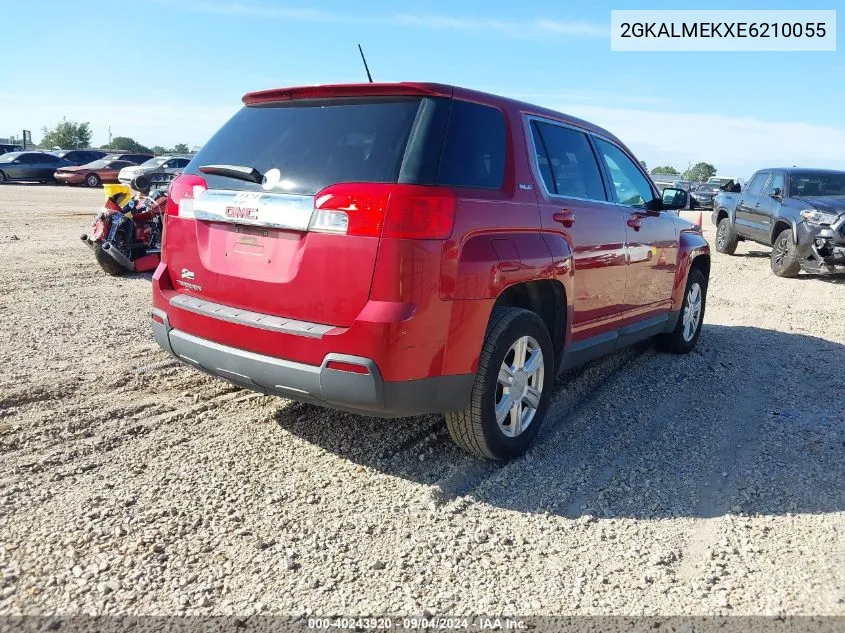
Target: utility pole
(110, 136)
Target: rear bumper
(363, 393)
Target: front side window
(566, 162)
(631, 186)
(775, 185)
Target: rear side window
(474, 147)
(755, 187)
(317, 143)
(567, 162)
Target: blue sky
(169, 71)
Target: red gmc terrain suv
(400, 249)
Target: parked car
(420, 249)
(38, 166)
(80, 156)
(136, 159)
(722, 180)
(160, 170)
(93, 174)
(800, 213)
(5, 148)
(702, 197)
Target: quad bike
(126, 235)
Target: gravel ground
(709, 483)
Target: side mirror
(674, 199)
(777, 193)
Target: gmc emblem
(242, 213)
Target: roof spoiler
(348, 90)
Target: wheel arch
(693, 251)
(780, 225)
(547, 298)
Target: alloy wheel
(519, 386)
(692, 311)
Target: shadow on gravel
(753, 422)
(835, 278)
(760, 254)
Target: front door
(574, 208)
(652, 241)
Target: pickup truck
(800, 213)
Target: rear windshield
(155, 162)
(314, 143)
(375, 139)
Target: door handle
(635, 222)
(564, 217)
(757, 206)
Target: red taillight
(183, 190)
(350, 367)
(401, 211)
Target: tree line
(700, 172)
(70, 134)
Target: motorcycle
(126, 234)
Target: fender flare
(784, 220)
(691, 246)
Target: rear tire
(683, 338)
(784, 258)
(2, 178)
(506, 383)
(107, 262)
(92, 180)
(726, 237)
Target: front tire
(511, 390)
(92, 180)
(785, 259)
(726, 237)
(683, 338)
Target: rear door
(249, 245)
(574, 205)
(747, 205)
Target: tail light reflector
(350, 367)
(183, 190)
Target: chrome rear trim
(249, 318)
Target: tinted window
(315, 143)
(755, 187)
(775, 182)
(567, 162)
(474, 147)
(631, 186)
(180, 162)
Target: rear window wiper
(250, 174)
